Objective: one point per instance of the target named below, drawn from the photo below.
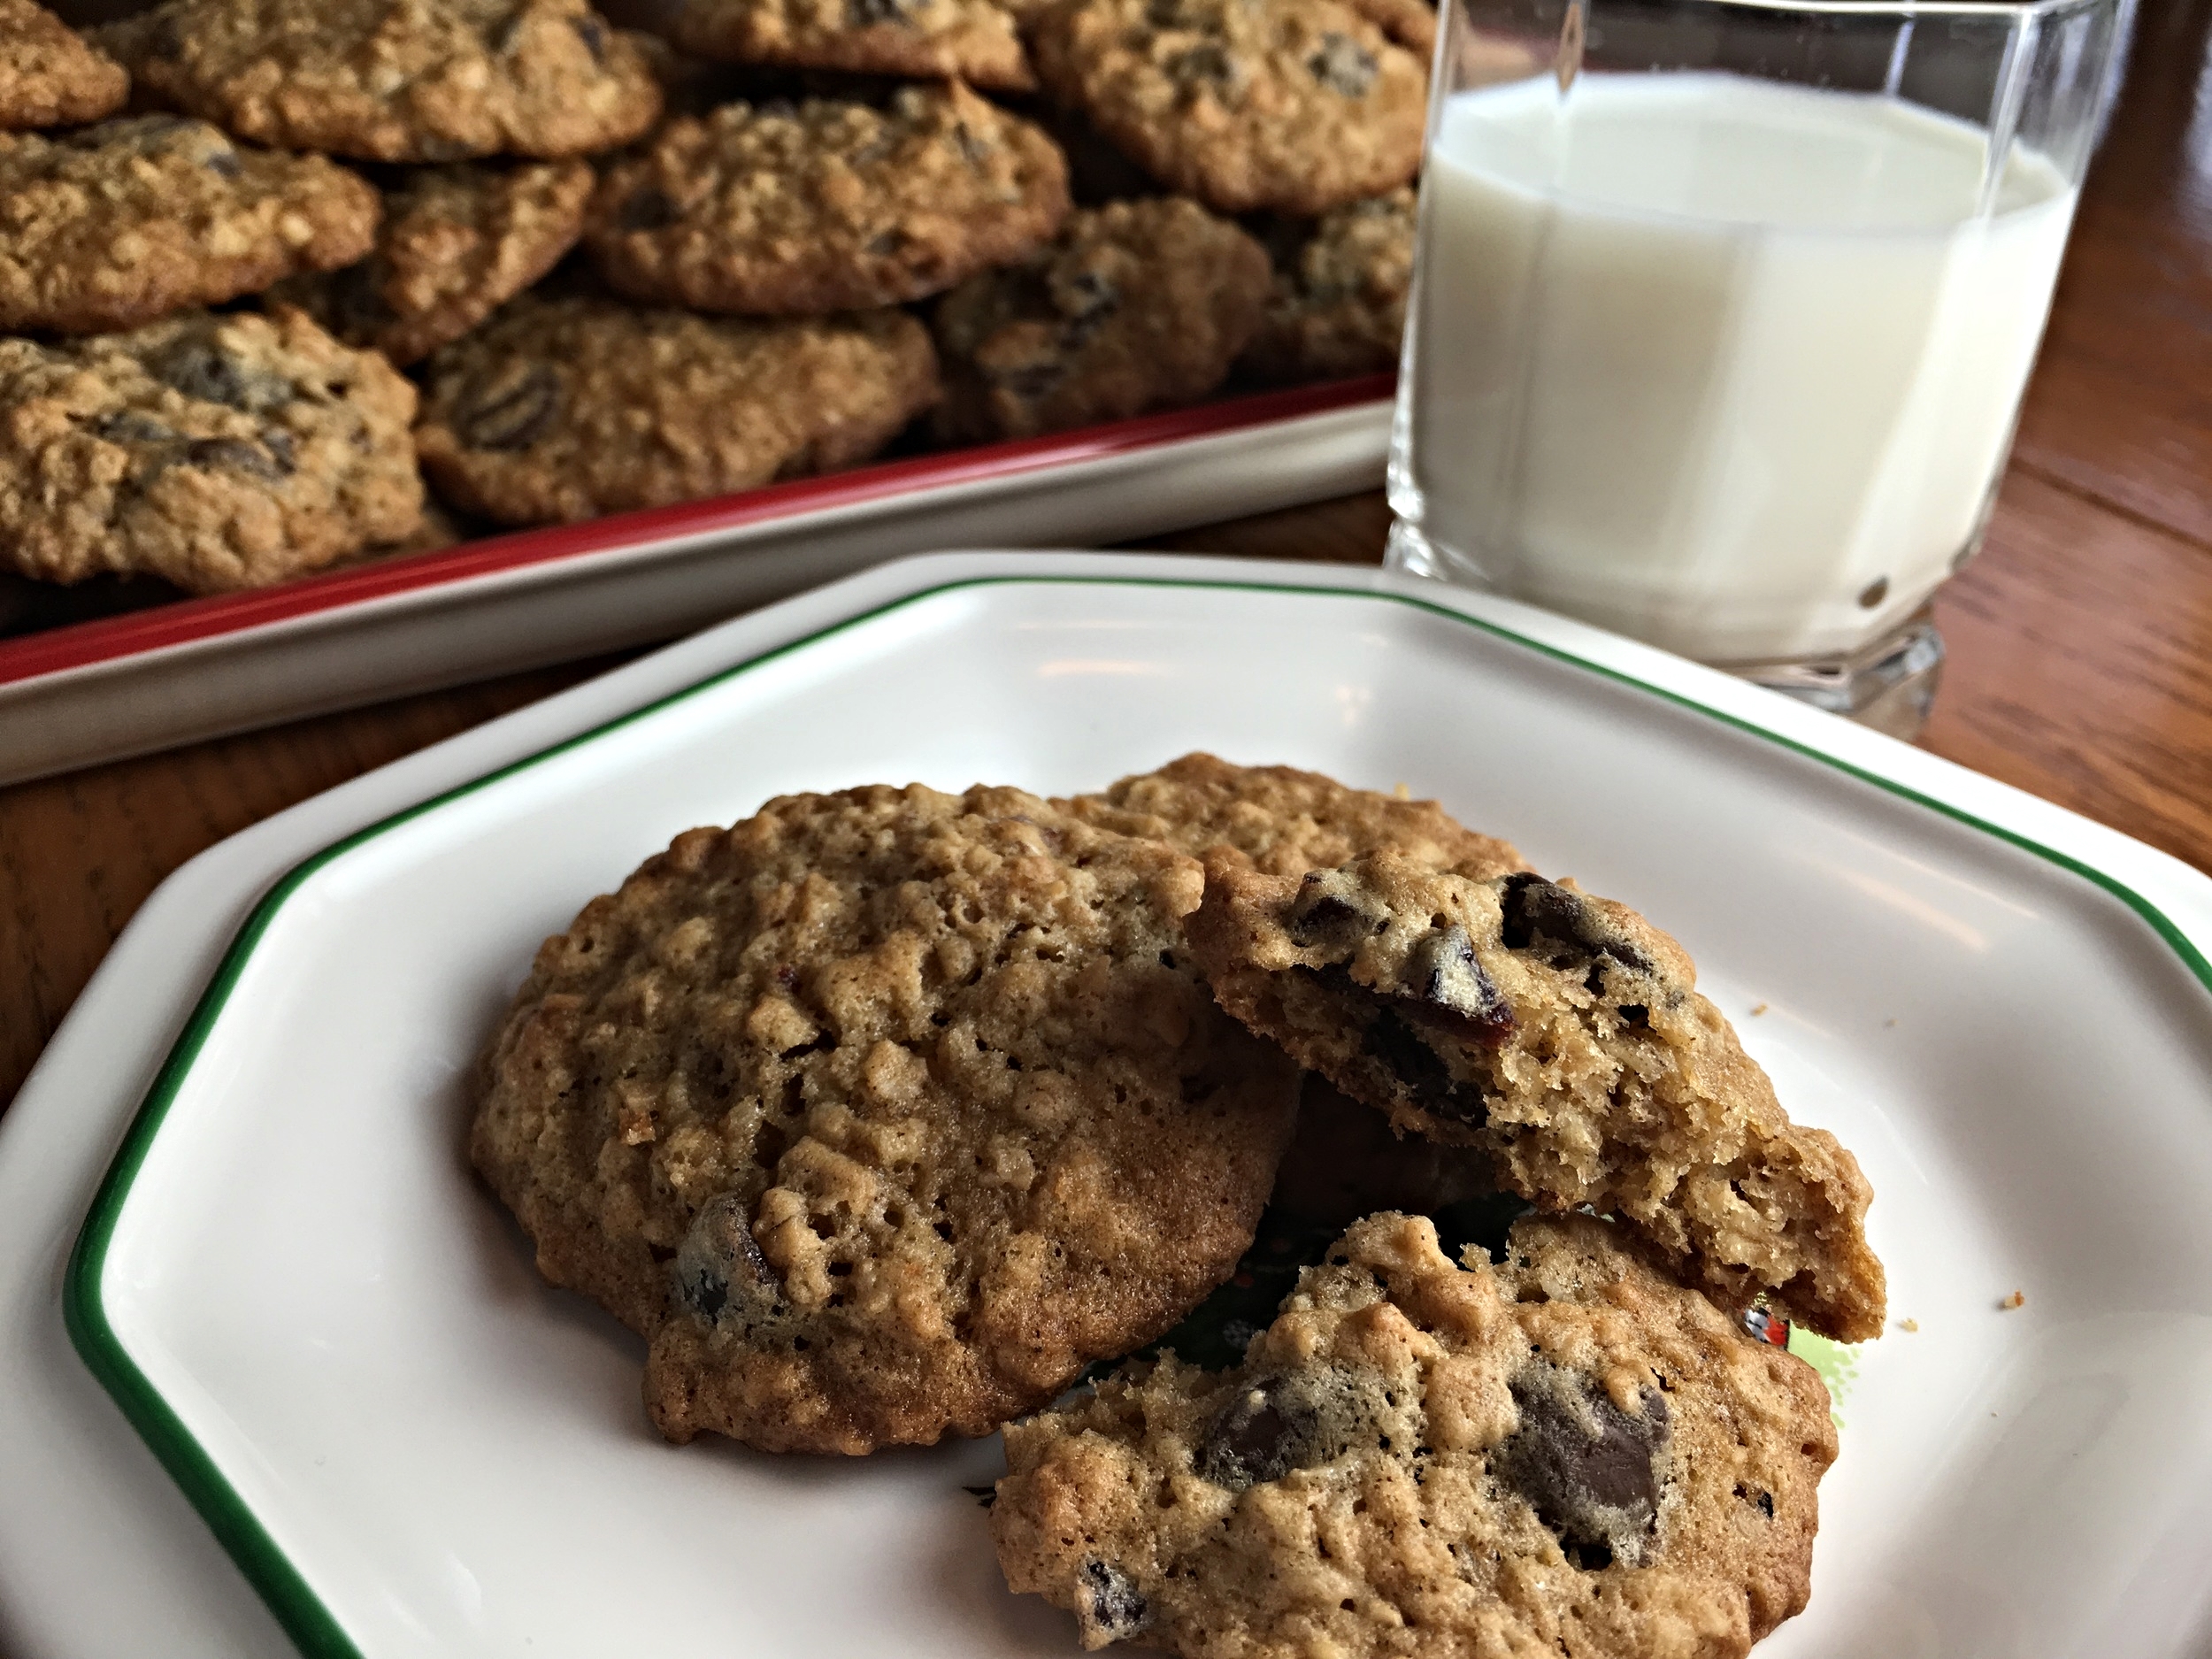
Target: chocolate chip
(718, 1259)
(647, 208)
(211, 376)
(1343, 66)
(1268, 1429)
(513, 409)
(1441, 970)
(594, 33)
(235, 455)
(1542, 916)
(278, 442)
(1588, 1467)
(224, 164)
(127, 425)
(1391, 1040)
(885, 244)
(1332, 907)
(862, 14)
(1117, 1608)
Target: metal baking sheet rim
(434, 634)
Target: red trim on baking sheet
(83, 644)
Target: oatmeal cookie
(1561, 1453)
(1285, 822)
(882, 1114)
(1339, 302)
(214, 452)
(568, 406)
(50, 76)
(121, 223)
(457, 244)
(972, 40)
(1137, 306)
(398, 80)
(1293, 106)
(829, 205)
(1564, 1035)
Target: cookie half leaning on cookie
(1564, 1035)
(1563, 1454)
(883, 1114)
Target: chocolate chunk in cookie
(881, 1115)
(972, 40)
(1285, 822)
(121, 223)
(1564, 1036)
(829, 205)
(457, 244)
(1137, 306)
(1293, 106)
(398, 80)
(49, 74)
(214, 452)
(1561, 1454)
(568, 406)
(1338, 307)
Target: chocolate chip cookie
(1563, 1035)
(1339, 302)
(1561, 1453)
(398, 80)
(1284, 822)
(972, 40)
(214, 452)
(828, 205)
(1293, 106)
(568, 406)
(121, 223)
(49, 74)
(882, 1114)
(1137, 306)
(457, 244)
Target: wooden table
(2081, 640)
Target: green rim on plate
(303, 1615)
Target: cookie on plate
(398, 80)
(1293, 106)
(214, 452)
(1564, 1035)
(121, 223)
(566, 406)
(1285, 822)
(1561, 1454)
(1137, 306)
(49, 74)
(829, 205)
(457, 244)
(972, 40)
(882, 1114)
(1339, 302)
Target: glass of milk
(1723, 312)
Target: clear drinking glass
(1723, 309)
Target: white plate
(338, 1346)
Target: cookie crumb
(1758, 1009)
(1908, 1325)
(1891, 1021)
(1401, 791)
(2016, 1299)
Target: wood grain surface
(2079, 640)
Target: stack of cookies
(266, 265)
(890, 1114)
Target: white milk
(1725, 365)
